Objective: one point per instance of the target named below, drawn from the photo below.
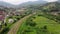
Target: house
(55, 12)
(2, 15)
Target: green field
(51, 27)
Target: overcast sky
(21, 1)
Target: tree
(45, 27)
(31, 23)
(5, 24)
(0, 27)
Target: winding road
(16, 26)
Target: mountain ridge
(6, 4)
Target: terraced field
(42, 25)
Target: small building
(55, 12)
(2, 15)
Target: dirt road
(16, 26)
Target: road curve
(16, 26)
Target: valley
(39, 17)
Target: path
(16, 26)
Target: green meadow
(39, 25)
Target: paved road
(16, 26)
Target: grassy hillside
(39, 25)
(44, 22)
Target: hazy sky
(50, 0)
(21, 1)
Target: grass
(23, 26)
(52, 26)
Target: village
(29, 16)
(10, 17)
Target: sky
(50, 0)
(15, 2)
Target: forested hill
(51, 6)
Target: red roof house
(2, 15)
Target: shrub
(0, 27)
(45, 27)
(30, 23)
(26, 30)
(39, 15)
(18, 18)
(34, 17)
(22, 16)
(5, 31)
(10, 17)
(5, 24)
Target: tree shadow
(5, 31)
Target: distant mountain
(39, 2)
(5, 4)
(58, 0)
(52, 5)
(25, 4)
(52, 8)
